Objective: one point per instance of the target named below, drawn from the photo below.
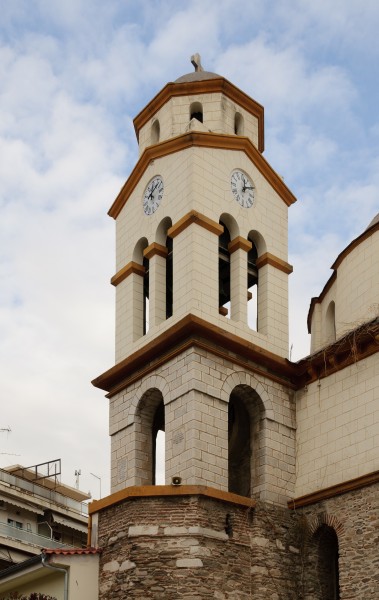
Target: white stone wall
(355, 292)
(338, 427)
(199, 179)
(196, 388)
(218, 117)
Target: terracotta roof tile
(71, 551)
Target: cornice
(193, 331)
(208, 86)
(199, 219)
(334, 490)
(156, 491)
(155, 250)
(274, 261)
(239, 243)
(356, 345)
(203, 140)
(131, 267)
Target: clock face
(153, 195)
(242, 188)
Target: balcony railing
(23, 535)
(38, 490)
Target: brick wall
(177, 547)
(199, 547)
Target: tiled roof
(71, 551)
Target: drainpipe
(65, 571)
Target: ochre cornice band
(239, 243)
(131, 267)
(274, 261)
(335, 490)
(154, 491)
(199, 219)
(203, 140)
(155, 250)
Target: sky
(73, 75)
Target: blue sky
(73, 76)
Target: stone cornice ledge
(200, 139)
(335, 490)
(189, 331)
(154, 491)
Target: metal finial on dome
(196, 61)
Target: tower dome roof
(199, 74)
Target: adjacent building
(37, 511)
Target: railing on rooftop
(23, 535)
(42, 492)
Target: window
(196, 111)
(169, 278)
(155, 132)
(252, 287)
(330, 323)
(245, 441)
(16, 524)
(224, 270)
(145, 264)
(151, 426)
(238, 124)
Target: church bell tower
(201, 345)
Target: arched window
(321, 569)
(146, 296)
(155, 132)
(158, 427)
(139, 293)
(164, 272)
(196, 111)
(245, 441)
(252, 287)
(169, 277)
(224, 271)
(330, 323)
(238, 124)
(151, 417)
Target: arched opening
(145, 296)
(155, 132)
(245, 441)
(196, 111)
(252, 286)
(239, 448)
(157, 430)
(140, 292)
(330, 323)
(327, 562)
(321, 580)
(169, 277)
(224, 271)
(238, 124)
(151, 417)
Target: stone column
(238, 248)
(156, 254)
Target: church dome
(373, 222)
(197, 76)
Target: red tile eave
(71, 551)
